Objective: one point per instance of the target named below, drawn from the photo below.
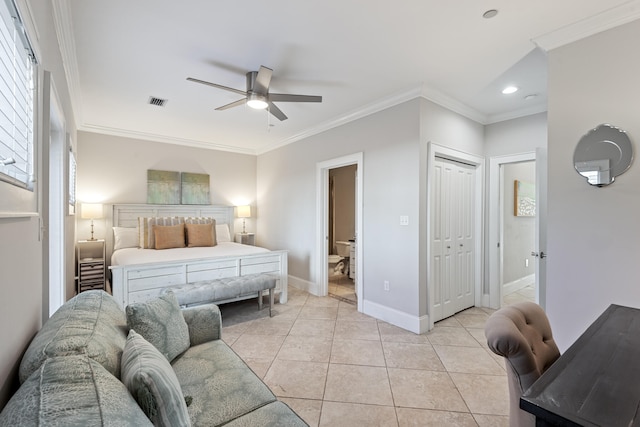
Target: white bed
(139, 274)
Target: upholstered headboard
(126, 215)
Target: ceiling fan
(257, 94)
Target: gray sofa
(71, 373)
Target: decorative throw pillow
(200, 235)
(169, 236)
(145, 229)
(160, 322)
(153, 383)
(222, 233)
(125, 237)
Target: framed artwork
(163, 187)
(195, 189)
(524, 198)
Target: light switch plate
(404, 220)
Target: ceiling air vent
(157, 101)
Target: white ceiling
(360, 55)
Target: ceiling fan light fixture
(256, 101)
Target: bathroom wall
(344, 196)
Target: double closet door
(453, 238)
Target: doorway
(323, 245)
(517, 232)
(495, 218)
(342, 233)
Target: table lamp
(244, 212)
(91, 211)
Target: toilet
(337, 264)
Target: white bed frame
(139, 282)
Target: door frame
(436, 150)
(322, 221)
(495, 222)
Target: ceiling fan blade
(263, 79)
(233, 104)
(276, 112)
(230, 89)
(285, 97)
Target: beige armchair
(521, 333)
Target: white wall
(593, 242)
(113, 169)
(21, 290)
(522, 135)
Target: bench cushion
(222, 289)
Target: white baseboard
(417, 325)
(516, 285)
(304, 285)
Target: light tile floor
(528, 293)
(343, 288)
(337, 367)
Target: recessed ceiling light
(531, 96)
(490, 13)
(509, 90)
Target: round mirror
(602, 154)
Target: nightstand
(246, 238)
(91, 264)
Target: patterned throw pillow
(160, 322)
(153, 383)
(200, 234)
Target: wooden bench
(225, 290)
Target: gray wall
(21, 289)
(518, 231)
(592, 233)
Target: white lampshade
(91, 211)
(244, 211)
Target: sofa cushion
(151, 380)
(72, 391)
(160, 321)
(221, 385)
(90, 323)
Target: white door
(541, 226)
(453, 243)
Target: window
(17, 89)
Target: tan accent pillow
(200, 235)
(169, 236)
(146, 232)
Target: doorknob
(542, 255)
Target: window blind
(17, 89)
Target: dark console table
(596, 382)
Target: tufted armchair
(521, 333)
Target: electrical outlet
(386, 285)
(404, 219)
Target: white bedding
(133, 256)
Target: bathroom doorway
(342, 233)
(323, 246)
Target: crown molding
(64, 32)
(611, 18)
(163, 139)
(351, 116)
(452, 104)
(523, 112)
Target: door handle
(542, 255)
